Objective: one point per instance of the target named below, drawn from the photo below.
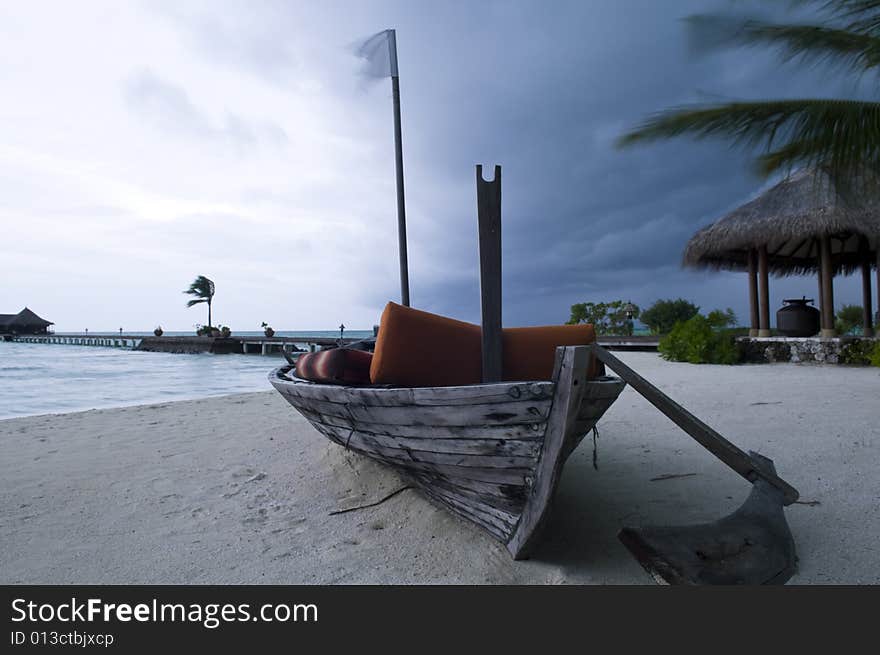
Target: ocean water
(49, 379)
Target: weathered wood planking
(356, 441)
(505, 497)
(476, 394)
(499, 447)
(504, 493)
(489, 453)
(570, 375)
(486, 473)
(484, 515)
(501, 517)
(524, 431)
(499, 532)
(511, 413)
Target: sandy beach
(239, 489)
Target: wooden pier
(104, 340)
(275, 345)
(251, 345)
(186, 344)
(635, 342)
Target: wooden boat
(490, 453)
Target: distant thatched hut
(25, 322)
(801, 225)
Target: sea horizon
(235, 333)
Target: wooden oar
(737, 459)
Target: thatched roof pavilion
(801, 225)
(25, 322)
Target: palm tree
(841, 136)
(203, 290)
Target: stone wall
(804, 350)
(190, 345)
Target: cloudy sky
(145, 143)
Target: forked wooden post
(489, 219)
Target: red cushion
(336, 366)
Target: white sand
(239, 489)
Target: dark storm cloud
(543, 89)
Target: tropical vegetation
(849, 319)
(203, 291)
(662, 316)
(874, 357)
(702, 340)
(614, 317)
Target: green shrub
(848, 319)
(858, 352)
(606, 318)
(720, 320)
(697, 341)
(874, 358)
(662, 316)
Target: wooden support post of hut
(764, 288)
(867, 310)
(753, 292)
(826, 272)
(820, 297)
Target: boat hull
(490, 453)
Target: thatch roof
(789, 218)
(24, 318)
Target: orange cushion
(528, 353)
(419, 349)
(416, 348)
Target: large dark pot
(797, 318)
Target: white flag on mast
(379, 53)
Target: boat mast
(398, 164)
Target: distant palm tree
(841, 136)
(203, 290)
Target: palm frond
(842, 136)
(201, 287)
(857, 15)
(808, 42)
(196, 301)
(862, 15)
